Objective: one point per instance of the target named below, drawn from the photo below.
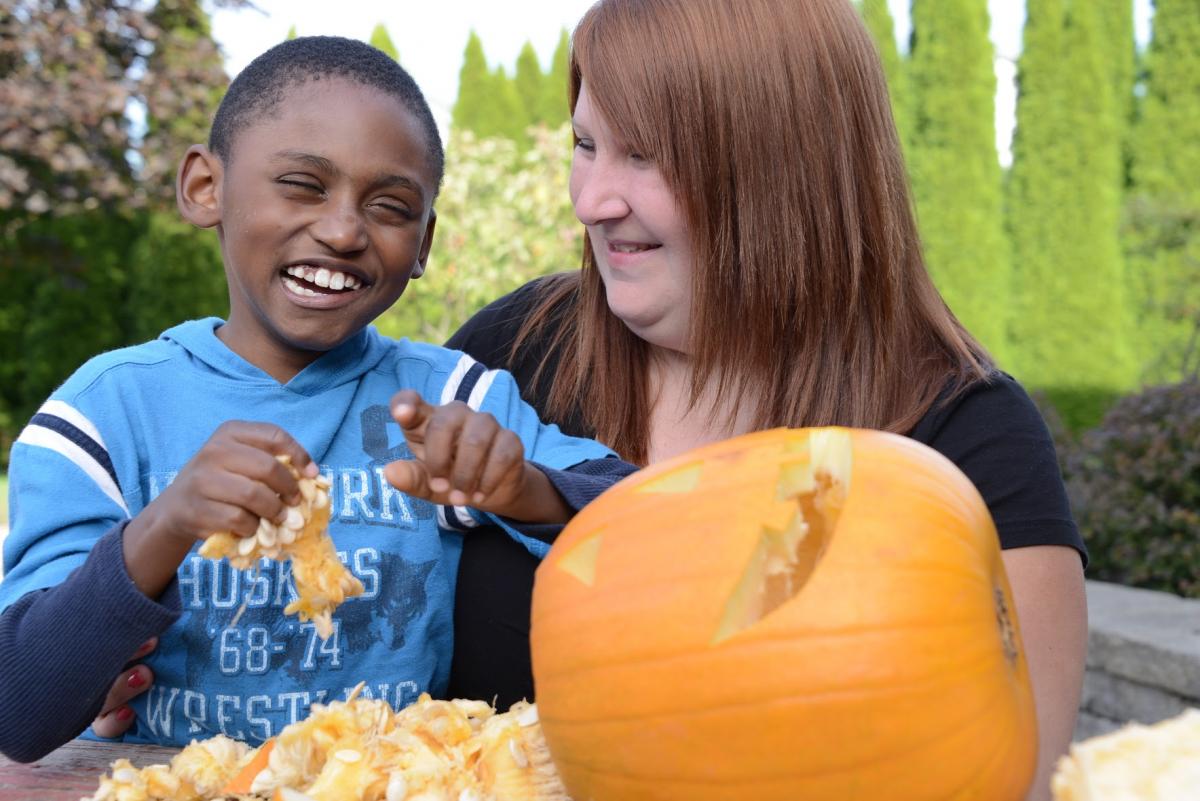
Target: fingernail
(124, 713)
(401, 409)
(439, 484)
(311, 470)
(135, 679)
(478, 497)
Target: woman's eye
(586, 145)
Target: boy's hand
(464, 458)
(231, 482)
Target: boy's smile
(324, 211)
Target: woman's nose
(598, 193)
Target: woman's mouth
(314, 281)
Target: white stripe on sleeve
(42, 437)
(450, 389)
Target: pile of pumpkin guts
(362, 750)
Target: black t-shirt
(993, 432)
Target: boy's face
(324, 212)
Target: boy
(320, 175)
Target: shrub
(1135, 489)
(504, 218)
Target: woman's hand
(116, 716)
(465, 458)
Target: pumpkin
(791, 614)
(1149, 763)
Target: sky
(430, 37)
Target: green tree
(1116, 18)
(554, 111)
(1071, 327)
(528, 83)
(472, 106)
(955, 167)
(291, 34)
(381, 40)
(1163, 213)
(506, 111)
(883, 30)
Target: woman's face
(636, 229)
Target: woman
(753, 262)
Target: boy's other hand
(462, 457)
(116, 716)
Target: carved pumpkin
(792, 614)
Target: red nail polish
(124, 713)
(135, 680)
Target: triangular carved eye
(580, 561)
(685, 479)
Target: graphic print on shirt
(249, 670)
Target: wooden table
(73, 771)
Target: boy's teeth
(324, 277)
(298, 288)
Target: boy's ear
(426, 244)
(197, 187)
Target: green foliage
(503, 219)
(175, 274)
(528, 83)
(507, 114)
(554, 108)
(883, 30)
(955, 169)
(1134, 484)
(75, 301)
(1162, 221)
(291, 34)
(380, 39)
(1071, 326)
(473, 109)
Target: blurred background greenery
(1078, 265)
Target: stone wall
(1143, 658)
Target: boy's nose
(341, 230)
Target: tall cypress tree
(1071, 328)
(471, 107)
(883, 30)
(955, 167)
(506, 115)
(381, 40)
(1163, 236)
(1116, 19)
(554, 111)
(528, 83)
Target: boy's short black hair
(261, 86)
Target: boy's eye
(301, 182)
(389, 206)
